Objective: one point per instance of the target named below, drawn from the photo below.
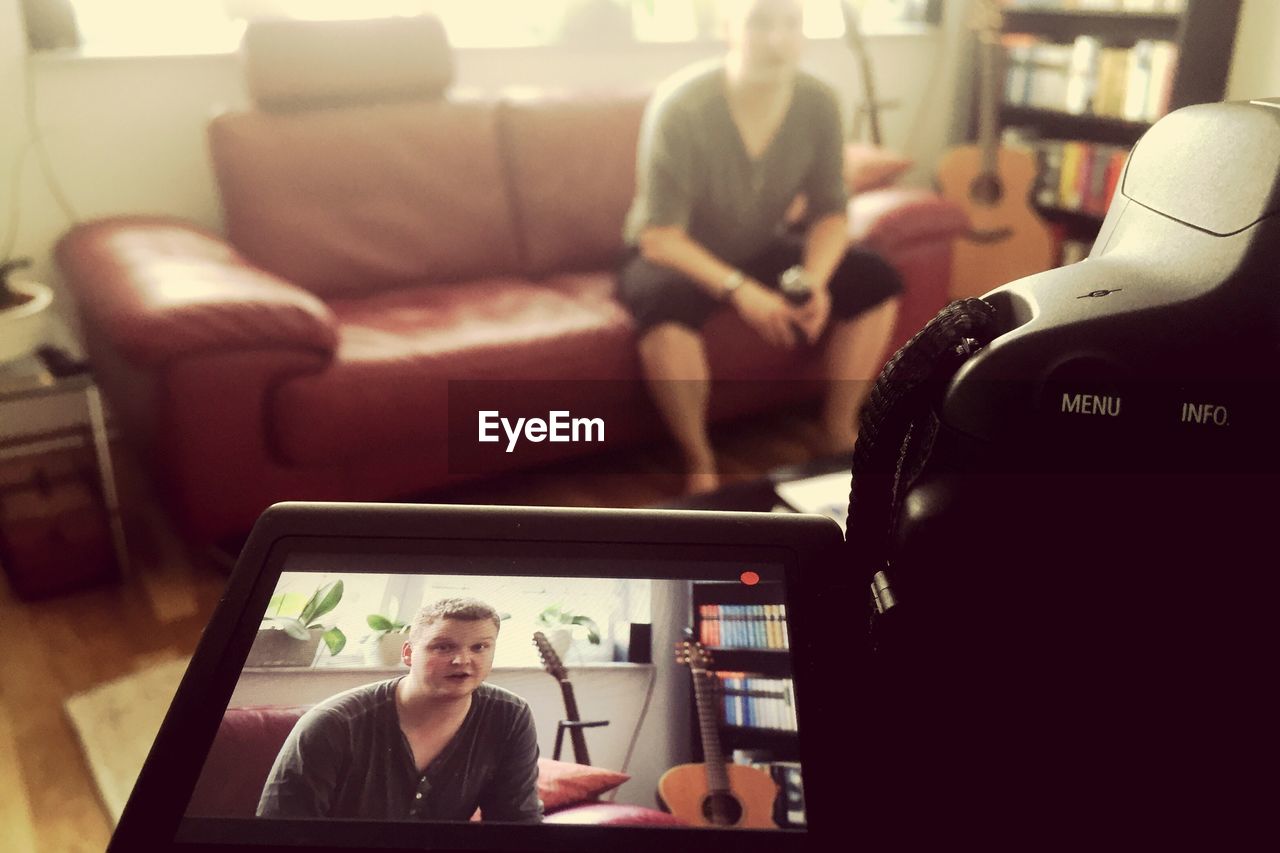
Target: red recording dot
(749, 578)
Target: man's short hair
(467, 609)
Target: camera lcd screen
(475, 687)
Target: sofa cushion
(387, 386)
(572, 167)
(343, 201)
(243, 750)
(563, 783)
(291, 63)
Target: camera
(1063, 508)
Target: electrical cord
(14, 217)
(635, 735)
(36, 140)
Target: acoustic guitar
(551, 663)
(715, 793)
(1006, 240)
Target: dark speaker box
(640, 645)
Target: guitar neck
(709, 726)
(853, 36)
(988, 103)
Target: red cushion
(614, 814)
(240, 760)
(869, 167)
(562, 783)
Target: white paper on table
(827, 495)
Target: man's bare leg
(675, 366)
(855, 354)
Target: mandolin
(1006, 240)
(551, 663)
(715, 793)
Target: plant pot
(561, 639)
(385, 651)
(273, 647)
(22, 325)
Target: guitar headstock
(550, 660)
(693, 655)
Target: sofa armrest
(156, 289)
(895, 219)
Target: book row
(787, 775)
(1089, 77)
(756, 702)
(743, 626)
(1078, 176)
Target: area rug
(116, 723)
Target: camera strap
(896, 430)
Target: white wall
(1255, 67)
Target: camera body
(1078, 608)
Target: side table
(52, 372)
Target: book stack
(743, 626)
(1077, 176)
(1089, 77)
(757, 702)
(789, 808)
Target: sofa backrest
(343, 200)
(240, 759)
(571, 166)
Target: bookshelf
(1092, 76)
(744, 630)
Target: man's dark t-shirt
(347, 758)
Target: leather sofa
(249, 739)
(393, 260)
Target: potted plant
(385, 643)
(294, 640)
(23, 311)
(559, 623)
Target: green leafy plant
(558, 616)
(384, 626)
(322, 601)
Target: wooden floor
(53, 649)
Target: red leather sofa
(393, 258)
(249, 739)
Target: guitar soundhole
(722, 809)
(986, 190)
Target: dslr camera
(1064, 503)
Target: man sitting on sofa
(725, 149)
(431, 745)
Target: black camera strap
(896, 428)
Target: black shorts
(656, 294)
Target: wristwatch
(732, 282)
(795, 285)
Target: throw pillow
(868, 167)
(562, 783)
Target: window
(610, 603)
(193, 26)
